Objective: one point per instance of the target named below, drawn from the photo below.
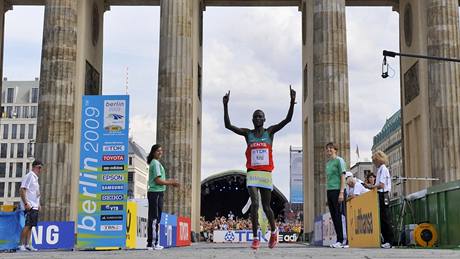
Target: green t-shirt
(156, 170)
(334, 170)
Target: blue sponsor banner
(318, 231)
(168, 229)
(53, 235)
(296, 182)
(10, 229)
(112, 207)
(103, 181)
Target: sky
(253, 52)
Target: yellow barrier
(363, 220)
(131, 225)
(7, 208)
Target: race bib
(259, 156)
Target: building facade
(17, 139)
(389, 140)
(361, 169)
(18, 124)
(138, 172)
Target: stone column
(444, 88)
(175, 89)
(330, 90)
(55, 122)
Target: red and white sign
(183, 231)
(113, 158)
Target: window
(14, 131)
(9, 112)
(20, 153)
(29, 151)
(130, 161)
(22, 131)
(200, 80)
(5, 131)
(130, 177)
(25, 111)
(2, 189)
(17, 186)
(2, 170)
(10, 174)
(27, 166)
(30, 134)
(34, 95)
(305, 83)
(12, 145)
(17, 112)
(10, 95)
(10, 189)
(33, 112)
(19, 171)
(3, 150)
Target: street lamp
(392, 54)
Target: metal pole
(415, 178)
(392, 54)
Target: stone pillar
(55, 122)
(175, 98)
(330, 90)
(444, 88)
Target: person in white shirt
(30, 203)
(383, 186)
(356, 187)
(230, 215)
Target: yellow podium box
(363, 220)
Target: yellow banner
(131, 225)
(363, 220)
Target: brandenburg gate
(71, 66)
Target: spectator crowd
(234, 223)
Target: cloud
(372, 99)
(143, 130)
(23, 35)
(256, 63)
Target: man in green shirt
(335, 185)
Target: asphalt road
(239, 251)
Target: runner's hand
(293, 93)
(226, 98)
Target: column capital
(8, 5)
(202, 5)
(106, 6)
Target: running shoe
(255, 244)
(337, 245)
(386, 245)
(273, 239)
(31, 248)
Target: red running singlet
(259, 153)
